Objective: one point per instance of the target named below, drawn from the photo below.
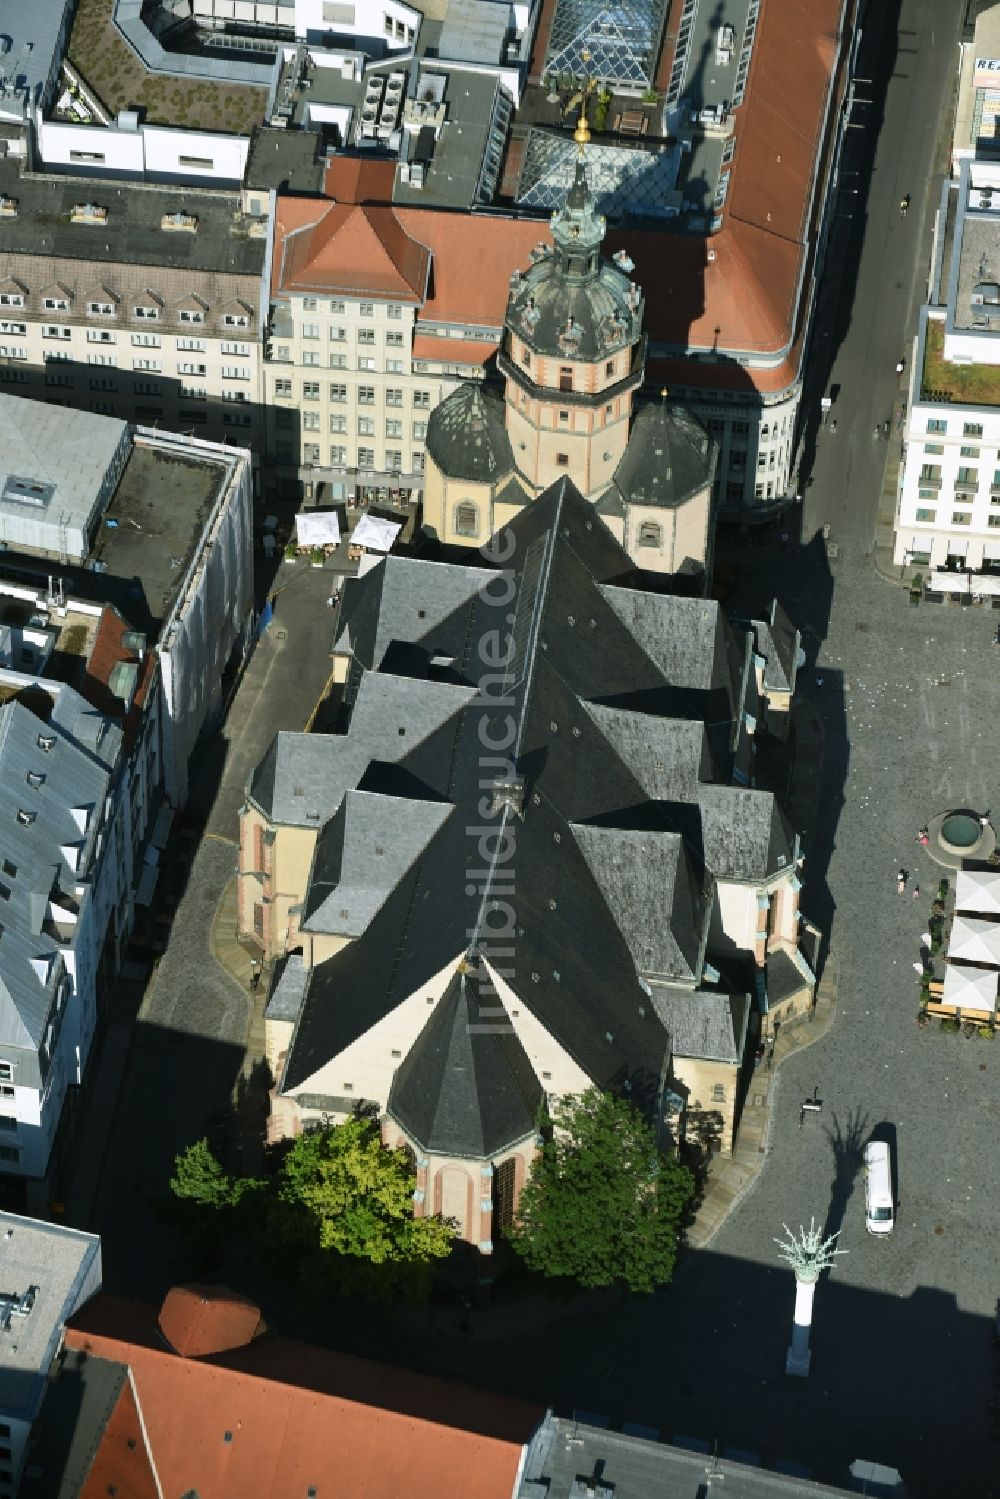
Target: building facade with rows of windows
(136, 301)
(377, 313)
(948, 508)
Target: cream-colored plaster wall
(292, 856)
(707, 1114)
(318, 946)
(432, 513)
(365, 1068)
(453, 493)
(138, 369)
(342, 395)
(556, 1070)
(279, 885)
(735, 914)
(539, 436)
(691, 528)
(277, 1035)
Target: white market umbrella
(974, 940)
(970, 988)
(978, 890)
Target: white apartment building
(63, 880)
(948, 510)
(131, 300)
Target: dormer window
(25, 818)
(35, 779)
(46, 742)
(149, 313)
(190, 315)
(100, 309)
(11, 299)
(55, 304)
(236, 320)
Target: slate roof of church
(466, 1087)
(466, 435)
(621, 705)
(669, 458)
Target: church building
(573, 357)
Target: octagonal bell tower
(572, 354)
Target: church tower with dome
(572, 356)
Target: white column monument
(808, 1254)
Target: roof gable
(360, 250)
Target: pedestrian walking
(901, 882)
(916, 891)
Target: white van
(878, 1188)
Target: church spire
(578, 229)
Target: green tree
(344, 1203)
(199, 1179)
(603, 1204)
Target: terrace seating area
(967, 936)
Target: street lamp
(809, 1254)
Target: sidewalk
(885, 519)
(237, 960)
(730, 1177)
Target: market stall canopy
(974, 940)
(978, 890)
(375, 533)
(970, 989)
(317, 528)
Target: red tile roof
(474, 255)
(350, 249)
(359, 179)
(748, 299)
(122, 1452)
(196, 1320)
(109, 649)
(453, 350)
(297, 1415)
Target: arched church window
(650, 534)
(466, 519)
(503, 1197)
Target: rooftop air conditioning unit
(185, 223)
(88, 213)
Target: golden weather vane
(582, 132)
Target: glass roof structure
(626, 181)
(622, 38)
